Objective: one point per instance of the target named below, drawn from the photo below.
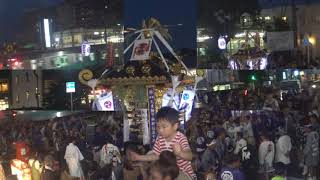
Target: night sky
(11, 12)
(168, 12)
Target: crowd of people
(264, 98)
(215, 144)
(275, 60)
(237, 145)
(62, 148)
(267, 143)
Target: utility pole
(294, 23)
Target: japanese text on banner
(152, 114)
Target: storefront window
(4, 105)
(3, 87)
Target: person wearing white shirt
(266, 154)
(233, 129)
(240, 143)
(73, 156)
(247, 130)
(283, 148)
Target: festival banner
(186, 103)
(145, 126)
(141, 49)
(152, 113)
(105, 102)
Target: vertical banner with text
(152, 113)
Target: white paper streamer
(175, 84)
(168, 100)
(93, 83)
(145, 126)
(126, 128)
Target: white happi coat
(73, 157)
(283, 147)
(266, 153)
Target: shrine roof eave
(144, 80)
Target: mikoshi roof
(138, 72)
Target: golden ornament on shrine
(146, 69)
(130, 70)
(153, 54)
(129, 99)
(176, 68)
(85, 75)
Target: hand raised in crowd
(133, 156)
(177, 149)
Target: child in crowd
(170, 139)
(165, 168)
(132, 171)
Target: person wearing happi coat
(73, 157)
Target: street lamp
(309, 41)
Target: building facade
(26, 89)
(302, 17)
(55, 36)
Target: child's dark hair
(169, 114)
(166, 165)
(167, 157)
(131, 146)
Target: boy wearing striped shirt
(170, 139)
